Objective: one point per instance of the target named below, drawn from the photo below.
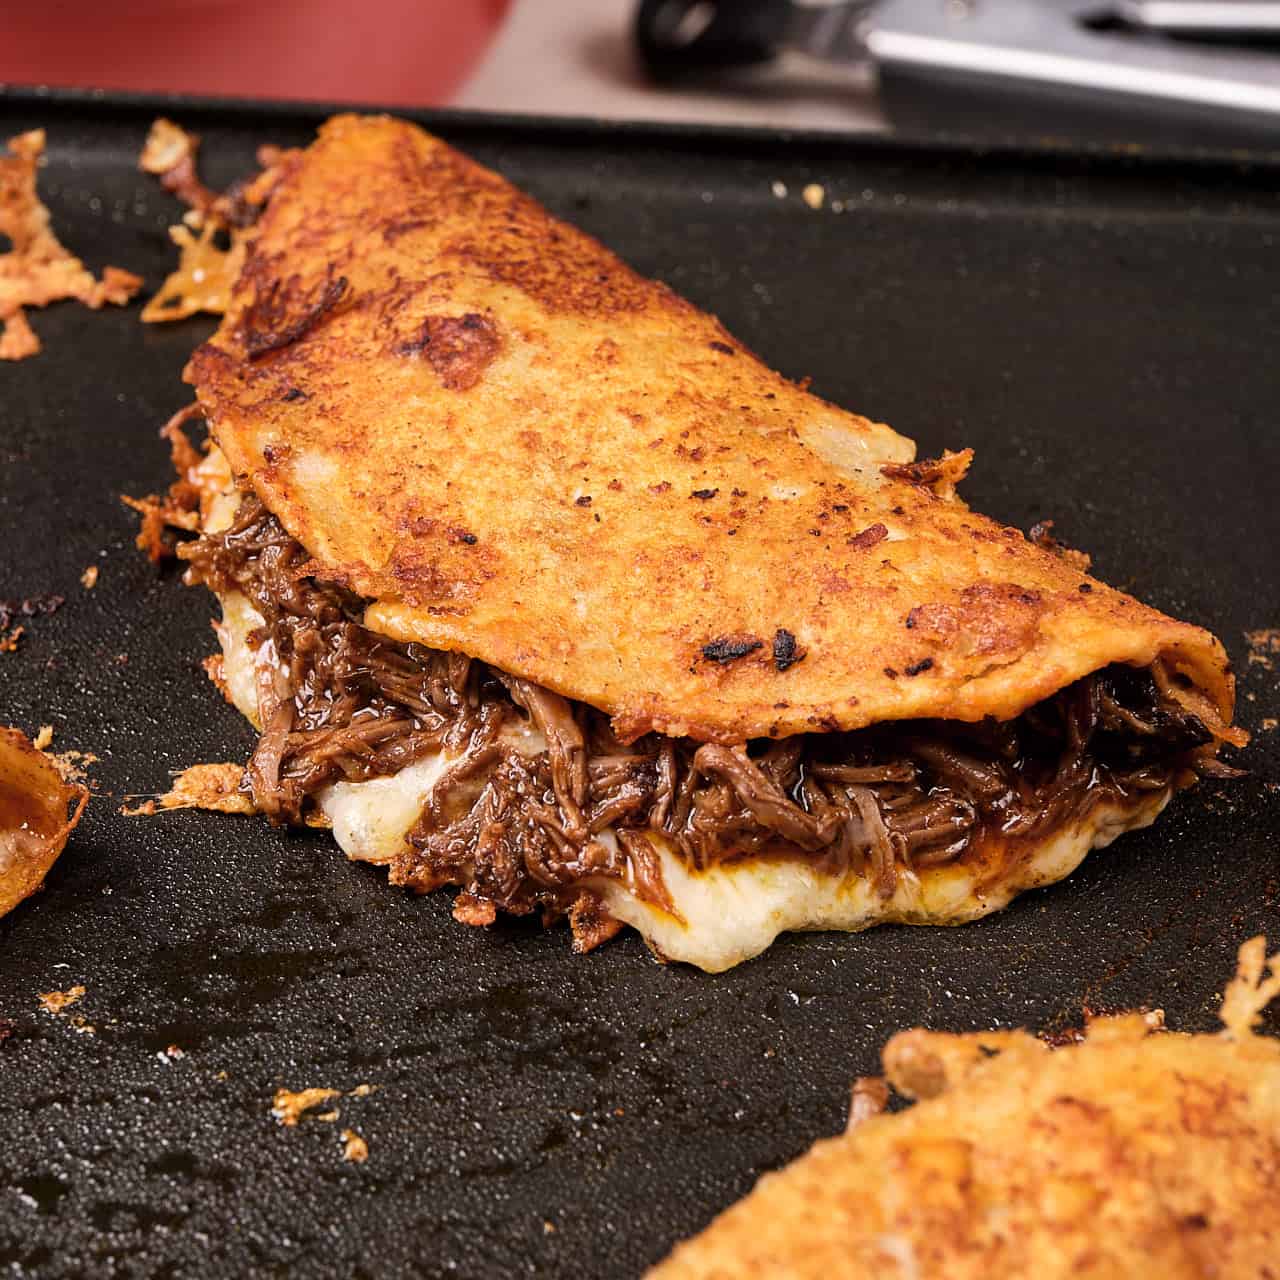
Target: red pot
(400, 52)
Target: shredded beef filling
(522, 828)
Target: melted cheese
(370, 819)
(727, 914)
(239, 659)
(734, 911)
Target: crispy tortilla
(480, 419)
(38, 810)
(211, 236)
(1133, 1153)
(37, 269)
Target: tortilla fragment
(355, 1149)
(38, 811)
(1135, 1152)
(211, 258)
(214, 787)
(38, 269)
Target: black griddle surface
(1101, 328)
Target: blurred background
(1180, 72)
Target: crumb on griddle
(354, 1148)
(288, 1107)
(1264, 646)
(1255, 984)
(73, 765)
(37, 606)
(89, 578)
(57, 1002)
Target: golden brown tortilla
(1134, 1153)
(479, 418)
(34, 818)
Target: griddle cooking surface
(1101, 329)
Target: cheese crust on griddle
(1136, 1152)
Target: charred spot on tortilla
(786, 652)
(726, 649)
(869, 537)
(939, 475)
(458, 348)
(285, 312)
(479, 684)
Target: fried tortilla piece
(211, 238)
(1136, 1152)
(203, 279)
(214, 787)
(37, 269)
(38, 811)
(538, 584)
(169, 153)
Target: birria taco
(539, 584)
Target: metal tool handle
(679, 38)
(1203, 17)
(684, 37)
